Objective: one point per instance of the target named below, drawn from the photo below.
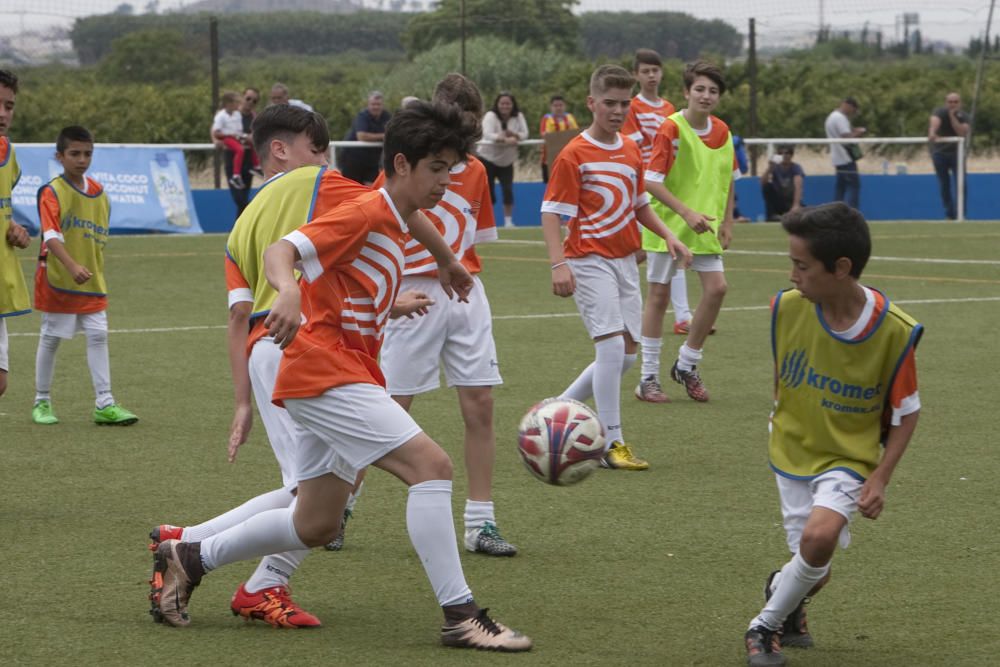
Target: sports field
(663, 567)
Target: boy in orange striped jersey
(457, 335)
(330, 383)
(598, 183)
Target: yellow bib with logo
(83, 219)
(283, 205)
(14, 299)
(833, 394)
(700, 177)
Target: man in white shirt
(845, 156)
(280, 95)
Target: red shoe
(272, 605)
(692, 383)
(684, 328)
(162, 533)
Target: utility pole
(462, 10)
(752, 72)
(979, 77)
(213, 41)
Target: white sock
(353, 498)
(797, 578)
(477, 513)
(508, 221)
(272, 500)
(651, 357)
(679, 297)
(431, 526)
(688, 357)
(608, 384)
(100, 367)
(275, 570)
(266, 533)
(45, 366)
(583, 386)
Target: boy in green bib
(70, 290)
(845, 408)
(14, 299)
(690, 176)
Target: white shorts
(265, 357)
(835, 490)
(608, 295)
(4, 346)
(455, 334)
(661, 267)
(66, 325)
(353, 426)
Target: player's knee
(96, 337)
(3, 382)
(318, 530)
(478, 407)
(718, 290)
(817, 545)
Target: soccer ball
(561, 441)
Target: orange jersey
(352, 261)
(47, 298)
(598, 187)
(667, 140)
(642, 122)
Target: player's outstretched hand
(240, 429)
(872, 500)
(699, 222)
(17, 236)
(285, 317)
(680, 252)
(410, 303)
(80, 273)
(456, 280)
(563, 280)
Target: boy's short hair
(850, 101)
(646, 57)
(706, 69)
(285, 122)
(607, 77)
(457, 89)
(72, 133)
(425, 128)
(556, 98)
(832, 231)
(786, 148)
(230, 96)
(8, 79)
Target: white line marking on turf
(536, 316)
(776, 253)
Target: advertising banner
(148, 187)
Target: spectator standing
(504, 127)
(556, 120)
(845, 156)
(947, 121)
(280, 95)
(782, 184)
(359, 163)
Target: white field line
(776, 253)
(535, 316)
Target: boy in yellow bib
(14, 299)
(690, 176)
(845, 408)
(70, 291)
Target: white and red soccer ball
(561, 441)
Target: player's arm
(648, 219)
(872, 499)
(286, 313)
(961, 127)
(563, 281)
(454, 277)
(57, 249)
(17, 235)
(799, 183)
(699, 222)
(410, 303)
(236, 338)
(726, 228)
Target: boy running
(845, 408)
(690, 174)
(70, 289)
(457, 335)
(329, 381)
(14, 299)
(597, 182)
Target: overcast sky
(950, 20)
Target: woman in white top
(504, 127)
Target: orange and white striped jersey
(351, 262)
(643, 120)
(667, 141)
(464, 217)
(598, 187)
